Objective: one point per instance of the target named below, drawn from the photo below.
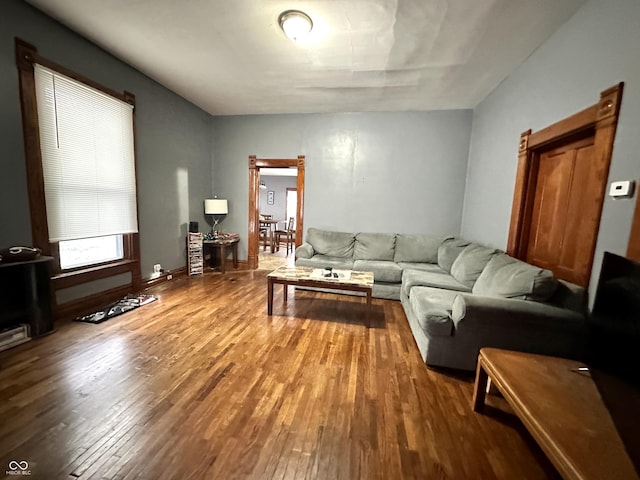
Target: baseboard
(167, 275)
(86, 305)
(242, 265)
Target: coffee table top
(345, 277)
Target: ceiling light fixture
(295, 24)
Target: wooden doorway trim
(255, 164)
(600, 120)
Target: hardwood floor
(271, 261)
(202, 384)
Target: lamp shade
(216, 206)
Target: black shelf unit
(25, 295)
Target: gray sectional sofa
(459, 296)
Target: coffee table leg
(270, 296)
(480, 387)
(368, 308)
(285, 287)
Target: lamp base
(214, 228)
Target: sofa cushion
(470, 263)
(448, 251)
(423, 267)
(432, 309)
(506, 277)
(417, 248)
(305, 251)
(570, 296)
(333, 244)
(387, 272)
(321, 261)
(374, 246)
(436, 279)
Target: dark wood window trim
(254, 197)
(26, 56)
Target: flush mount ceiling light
(295, 24)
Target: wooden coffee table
(349, 280)
(562, 409)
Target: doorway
(560, 187)
(255, 165)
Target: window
(89, 251)
(292, 202)
(86, 142)
(79, 146)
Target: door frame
(255, 164)
(599, 120)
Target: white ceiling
(230, 57)
(279, 172)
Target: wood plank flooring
(202, 384)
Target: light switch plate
(623, 189)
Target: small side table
(221, 245)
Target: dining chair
(264, 230)
(289, 235)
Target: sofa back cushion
(506, 277)
(470, 263)
(333, 244)
(374, 246)
(448, 251)
(417, 248)
(569, 296)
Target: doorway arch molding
(255, 164)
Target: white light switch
(622, 189)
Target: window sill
(75, 277)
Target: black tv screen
(614, 352)
(615, 319)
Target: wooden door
(560, 187)
(566, 211)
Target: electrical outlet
(156, 268)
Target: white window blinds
(86, 140)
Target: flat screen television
(615, 319)
(614, 347)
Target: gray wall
(173, 139)
(278, 185)
(376, 172)
(595, 49)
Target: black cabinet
(25, 295)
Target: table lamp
(216, 207)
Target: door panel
(554, 172)
(564, 221)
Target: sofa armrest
(305, 251)
(478, 312)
